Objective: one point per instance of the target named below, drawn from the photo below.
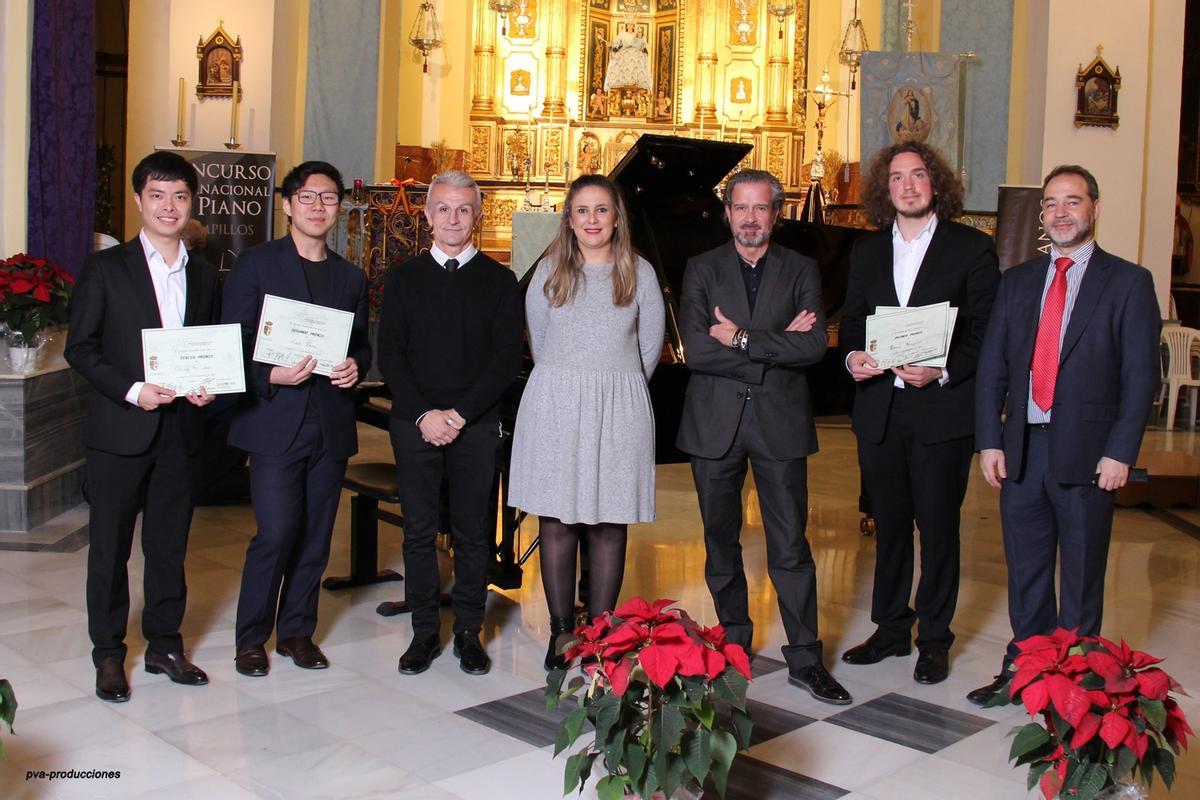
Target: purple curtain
(62, 132)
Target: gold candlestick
(232, 144)
(179, 141)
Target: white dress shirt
(906, 263)
(441, 257)
(170, 290)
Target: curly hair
(947, 188)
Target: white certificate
(940, 361)
(289, 330)
(908, 335)
(184, 359)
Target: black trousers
(1044, 523)
(469, 466)
(158, 483)
(295, 499)
(783, 497)
(911, 482)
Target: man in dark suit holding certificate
(752, 320)
(298, 426)
(141, 439)
(1071, 358)
(914, 423)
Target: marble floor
(361, 730)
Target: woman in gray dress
(583, 448)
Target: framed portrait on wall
(1096, 87)
(220, 57)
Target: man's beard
(1083, 232)
(756, 239)
(916, 213)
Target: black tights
(606, 564)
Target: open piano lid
(658, 165)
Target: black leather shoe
(984, 694)
(933, 665)
(558, 627)
(111, 685)
(820, 684)
(303, 652)
(874, 650)
(251, 659)
(420, 654)
(176, 667)
(470, 653)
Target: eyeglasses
(307, 198)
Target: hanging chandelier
(781, 10)
(426, 35)
(854, 44)
(503, 8)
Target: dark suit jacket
(269, 416)
(112, 302)
(1107, 373)
(773, 364)
(960, 268)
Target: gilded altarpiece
(571, 86)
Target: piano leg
(364, 546)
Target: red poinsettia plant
(33, 294)
(1107, 715)
(667, 697)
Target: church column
(777, 83)
(483, 80)
(706, 67)
(556, 59)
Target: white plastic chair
(1180, 342)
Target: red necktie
(1045, 349)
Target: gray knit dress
(583, 448)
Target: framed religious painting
(1096, 87)
(220, 57)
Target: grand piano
(669, 185)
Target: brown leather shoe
(176, 666)
(303, 652)
(111, 685)
(251, 659)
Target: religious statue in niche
(1097, 85)
(664, 73)
(588, 158)
(220, 57)
(629, 60)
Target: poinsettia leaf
(743, 725)
(1153, 683)
(554, 682)
(1029, 737)
(696, 753)
(723, 749)
(731, 687)
(735, 654)
(1035, 696)
(1085, 731)
(1089, 779)
(1113, 729)
(666, 727)
(1050, 784)
(1154, 711)
(1069, 700)
(705, 713)
(610, 787)
(1124, 763)
(635, 761)
(620, 674)
(1164, 762)
(8, 704)
(658, 664)
(1035, 774)
(568, 730)
(607, 714)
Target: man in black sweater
(450, 337)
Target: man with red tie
(1071, 352)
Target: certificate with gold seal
(289, 330)
(185, 359)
